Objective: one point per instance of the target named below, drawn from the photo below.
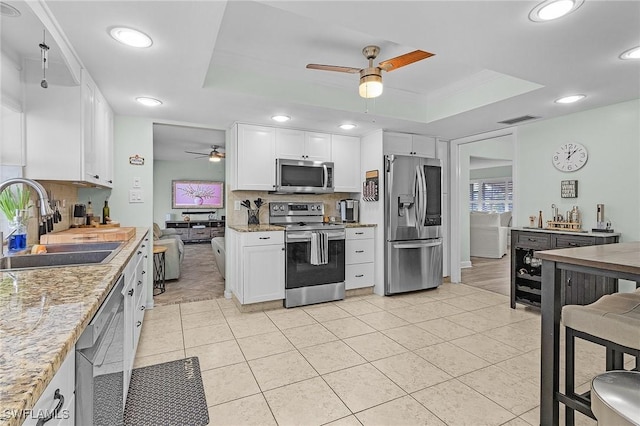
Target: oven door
(299, 272)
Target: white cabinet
(69, 134)
(254, 161)
(135, 298)
(409, 144)
(345, 154)
(258, 273)
(359, 258)
(300, 145)
(58, 398)
(11, 137)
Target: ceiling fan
(371, 77)
(213, 156)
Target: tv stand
(197, 231)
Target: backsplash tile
(68, 193)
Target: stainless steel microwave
(305, 177)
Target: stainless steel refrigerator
(413, 223)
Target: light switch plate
(136, 182)
(135, 196)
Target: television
(197, 194)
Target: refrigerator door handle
(416, 245)
(423, 196)
(417, 188)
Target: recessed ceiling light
(553, 9)
(570, 99)
(633, 53)
(148, 101)
(281, 118)
(347, 126)
(131, 37)
(8, 10)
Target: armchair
(175, 250)
(489, 234)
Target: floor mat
(168, 394)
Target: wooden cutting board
(80, 235)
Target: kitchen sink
(63, 255)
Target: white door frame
(456, 208)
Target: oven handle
(416, 245)
(307, 237)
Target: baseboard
(465, 264)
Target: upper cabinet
(252, 151)
(346, 163)
(254, 160)
(300, 145)
(409, 144)
(69, 134)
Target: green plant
(11, 201)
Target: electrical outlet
(135, 196)
(236, 205)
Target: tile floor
(456, 355)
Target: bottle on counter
(540, 219)
(105, 212)
(89, 212)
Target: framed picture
(197, 194)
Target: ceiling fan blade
(406, 59)
(197, 153)
(333, 68)
(221, 154)
(202, 156)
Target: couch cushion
(157, 232)
(484, 219)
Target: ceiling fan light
(370, 86)
(214, 158)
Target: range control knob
(281, 208)
(274, 208)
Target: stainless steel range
(314, 265)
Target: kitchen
(591, 123)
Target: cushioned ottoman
(218, 253)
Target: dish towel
(319, 254)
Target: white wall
(611, 176)
(166, 171)
(373, 211)
(491, 173)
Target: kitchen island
(43, 312)
(620, 260)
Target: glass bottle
(89, 212)
(105, 212)
(18, 239)
(540, 219)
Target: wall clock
(570, 157)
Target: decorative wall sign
(136, 160)
(569, 189)
(370, 186)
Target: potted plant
(15, 207)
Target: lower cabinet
(135, 298)
(58, 399)
(258, 273)
(359, 258)
(526, 269)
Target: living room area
(189, 212)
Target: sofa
(175, 250)
(489, 234)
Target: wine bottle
(540, 219)
(105, 212)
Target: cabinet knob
(359, 251)
(359, 233)
(110, 181)
(130, 292)
(359, 276)
(139, 282)
(569, 282)
(139, 252)
(138, 324)
(142, 308)
(96, 176)
(264, 238)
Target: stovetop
(300, 216)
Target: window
(495, 195)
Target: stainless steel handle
(359, 276)
(359, 233)
(359, 251)
(326, 176)
(264, 238)
(416, 245)
(424, 196)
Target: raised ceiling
(215, 62)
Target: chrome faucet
(45, 208)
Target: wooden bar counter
(620, 260)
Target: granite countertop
(42, 314)
(578, 233)
(267, 228)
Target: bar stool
(615, 398)
(613, 321)
(159, 268)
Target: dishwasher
(100, 364)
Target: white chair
(489, 234)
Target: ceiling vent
(518, 119)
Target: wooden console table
(617, 261)
(197, 230)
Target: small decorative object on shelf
(540, 219)
(569, 189)
(532, 221)
(370, 186)
(253, 215)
